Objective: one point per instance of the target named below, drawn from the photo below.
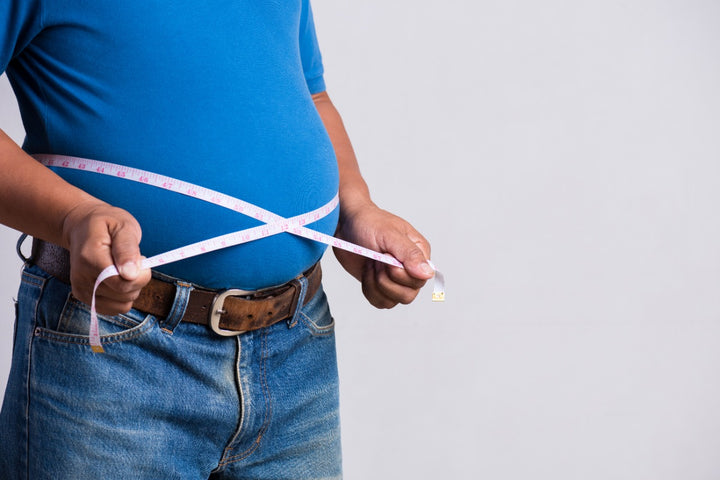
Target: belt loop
(18, 248)
(302, 283)
(182, 295)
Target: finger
(115, 295)
(372, 291)
(394, 291)
(121, 290)
(120, 286)
(125, 248)
(111, 306)
(413, 251)
(107, 304)
(402, 277)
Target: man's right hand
(97, 236)
(34, 200)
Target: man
(227, 95)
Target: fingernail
(426, 269)
(130, 269)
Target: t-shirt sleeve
(310, 51)
(20, 22)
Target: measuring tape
(273, 224)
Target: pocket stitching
(32, 279)
(77, 339)
(316, 329)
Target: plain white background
(563, 157)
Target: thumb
(414, 255)
(125, 249)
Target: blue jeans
(168, 399)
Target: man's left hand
(385, 285)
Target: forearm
(33, 199)
(353, 190)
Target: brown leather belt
(227, 312)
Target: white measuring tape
(272, 225)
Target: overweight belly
(257, 264)
(287, 176)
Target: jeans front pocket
(72, 325)
(316, 316)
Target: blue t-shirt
(216, 93)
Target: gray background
(563, 159)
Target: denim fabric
(168, 399)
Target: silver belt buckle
(216, 311)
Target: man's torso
(215, 93)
